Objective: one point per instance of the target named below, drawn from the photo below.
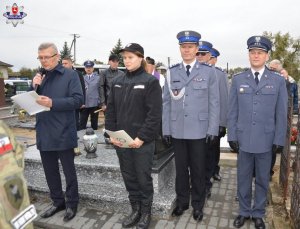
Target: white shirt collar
(261, 71)
(191, 64)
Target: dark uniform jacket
(56, 129)
(81, 83)
(135, 105)
(106, 78)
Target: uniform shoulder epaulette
(277, 73)
(209, 65)
(220, 69)
(236, 74)
(175, 65)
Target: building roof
(5, 64)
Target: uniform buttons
(185, 115)
(255, 102)
(254, 113)
(253, 123)
(257, 93)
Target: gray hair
(48, 45)
(277, 63)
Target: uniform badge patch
(139, 87)
(14, 191)
(5, 145)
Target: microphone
(41, 71)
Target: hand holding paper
(28, 102)
(137, 143)
(44, 101)
(120, 138)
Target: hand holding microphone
(38, 78)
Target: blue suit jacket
(56, 129)
(257, 114)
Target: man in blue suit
(190, 119)
(56, 137)
(257, 123)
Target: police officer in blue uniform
(92, 96)
(223, 87)
(257, 123)
(190, 120)
(204, 56)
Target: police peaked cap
(205, 46)
(259, 42)
(188, 36)
(214, 52)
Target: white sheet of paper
(27, 101)
(121, 136)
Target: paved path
(219, 212)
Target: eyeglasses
(201, 53)
(46, 57)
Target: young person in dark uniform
(135, 105)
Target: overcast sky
(154, 24)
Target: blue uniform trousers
(247, 162)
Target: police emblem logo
(200, 43)
(186, 33)
(257, 39)
(15, 191)
(14, 14)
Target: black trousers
(77, 118)
(51, 169)
(84, 115)
(136, 167)
(190, 157)
(212, 162)
(273, 163)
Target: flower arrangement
(294, 135)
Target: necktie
(188, 70)
(256, 77)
